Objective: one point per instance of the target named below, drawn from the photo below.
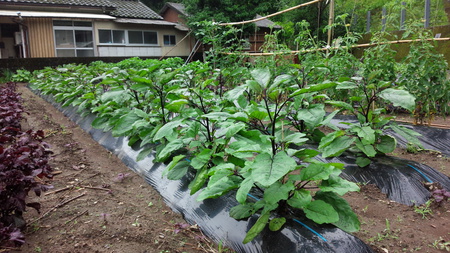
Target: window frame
(111, 34)
(72, 29)
(127, 37)
(170, 39)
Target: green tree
(226, 10)
(414, 12)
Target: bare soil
(99, 205)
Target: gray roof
(176, 6)
(133, 9)
(266, 23)
(121, 8)
(98, 3)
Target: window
(111, 36)
(73, 38)
(127, 37)
(169, 40)
(142, 37)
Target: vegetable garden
(261, 130)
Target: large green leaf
(125, 124)
(144, 153)
(362, 161)
(295, 138)
(166, 130)
(199, 180)
(348, 220)
(201, 159)
(257, 227)
(178, 171)
(317, 171)
(116, 96)
(367, 149)
(218, 116)
(219, 171)
(313, 88)
(242, 211)
(300, 199)
(312, 116)
(338, 185)
(172, 164)
(321, 212)
(366, 134)
(267, 169)
(337, 146)
(278, 191)
(387, 144)
(101, 122)
(234, 94)
(329, 138)
(255, 137)
(408, 134)
(262, 76)
(346, 85)
(176, 105)
(341, 104)
(169, 148)
(219, 188)
(400, 98)
(244, 189)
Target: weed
(386, 234)
(136, 223)
(441, 244)
(37, 249)
(424, 209)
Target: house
(262, 27)
(175, 12)
(87, 28)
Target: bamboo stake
(354, 46)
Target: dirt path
(117, 213)
(116, 210)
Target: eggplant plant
(368, 137)
(261, 160)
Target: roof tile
(133, 9)
(123, 8)
(105, 3)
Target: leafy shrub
(424, 74)
(22, 76)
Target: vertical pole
(403, 16)
(383, 19)
(427, 13)
(368, 22)
(330, 22)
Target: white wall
(129, 51)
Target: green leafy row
(245, 137)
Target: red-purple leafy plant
(24, 157)
(440, 195)
(10, 112)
